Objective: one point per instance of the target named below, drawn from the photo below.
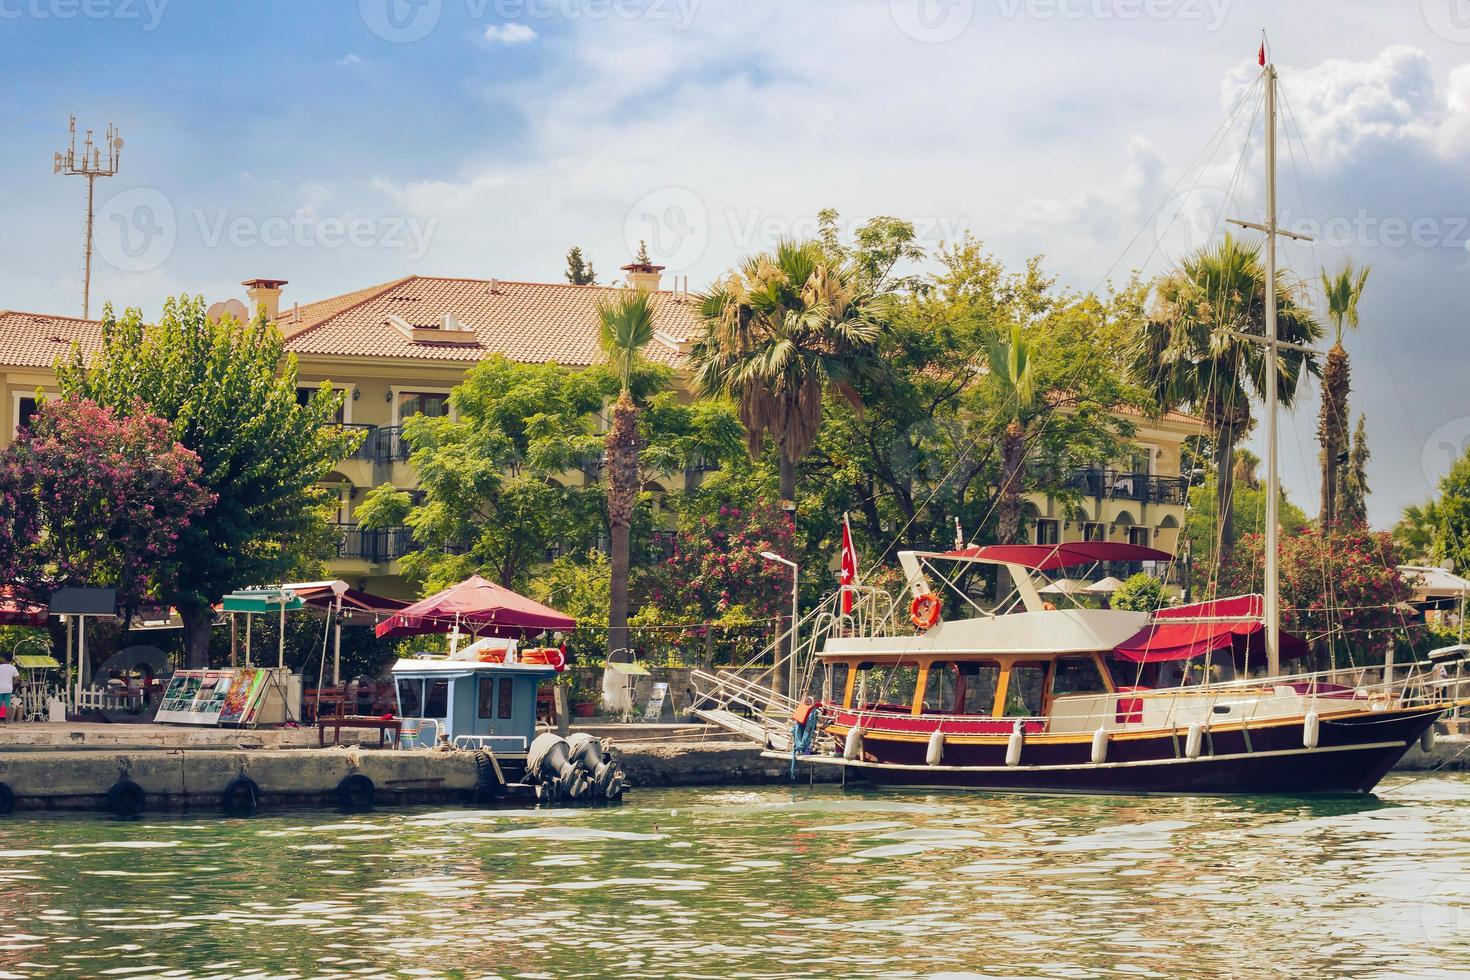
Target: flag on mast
(849, 567)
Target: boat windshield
(1215, 668)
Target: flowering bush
(90, 497)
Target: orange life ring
(924, 610)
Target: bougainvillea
(90, 497)
(1344, 583)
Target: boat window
(436, 701)
(980, 681)
(1023, 695)
(410, 698)
(1077, 675)
(939, 692)
(487, 697)
(894, 686)
(507, 697)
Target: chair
(408, 733)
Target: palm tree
(1011, 367)
(625, 326)
(1189, 352)
(1342, 292)
(781, 330)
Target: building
(397, 349)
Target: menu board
(212, 697)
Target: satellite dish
(231, 308)
(1448, 564)
(215, 312)
(117, 144)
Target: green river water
(771, 882)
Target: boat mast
(1273, 475)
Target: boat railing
(744, 705)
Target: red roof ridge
(370, 293)
(49, 316)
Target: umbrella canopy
(1194, 630)
(476, 606)
(1105, 586)
(1064, 586)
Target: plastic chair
(408, 733)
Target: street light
(795, 617)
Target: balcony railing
(368, 448)
(1127, 485)
(373, 545)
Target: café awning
(476, 606)
(1182, 632)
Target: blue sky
(338, 144)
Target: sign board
(654, 710)
(213, 697)
(84, 602)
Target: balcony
(1127, 485)
(391, 446)
(377, 547)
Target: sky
(341, 143)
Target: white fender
(1311, 730)
(1426, 741)
(853, 747)
(935, 755)
(1194, 741)
(1013, 748)
(1099, 746)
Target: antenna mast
(89, 164)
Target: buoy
(1013, 747)
(1426, 741)
(356, 793)
(241, 797)
(126, 798)
(7, 799)
(1311, 729)
(935, 755)
(853, 747)
(1195, 740)
(1099, 746)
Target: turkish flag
(1261, 57)
(849, 567)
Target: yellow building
(398, 348)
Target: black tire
(356, 793)
(488, 788)
(7, 800)
(126, 798)
(241, 798)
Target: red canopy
(15, 611)
(1233, 623)
(476, 606)
(1045, 557)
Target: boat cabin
(482, 696)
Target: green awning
(637, 670)
(261, 601)
(36, 661)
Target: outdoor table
(339, 722)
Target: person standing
(8, 676)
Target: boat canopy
(1045, 557)
(1189, 631)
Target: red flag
(849, 567)
(1262, 56)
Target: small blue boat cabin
(480, 697)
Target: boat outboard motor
(550, 762)
(593, 757)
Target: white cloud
(349, 61)
(509, 34)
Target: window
(433, 404)
(889, 686)
(1024, 694)
(1139, 536)
(979, 681)
(1077, 675)
(305, 395)
(487, 697)
(436, 702)
(1093, 532)
(410, 698)
(507, 697)
(1047, 532)
(939, 692)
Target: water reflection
(758, 883)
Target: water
(757, 883)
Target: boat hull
(1353, 752)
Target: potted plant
(585, 698)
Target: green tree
(1140, 593)
(579, 585)
(579, 271)
(228, 391)
(1248, 515)
(1342, 292)
(780, 331)
(1190, 351)
(1011, 369)
(625, 326)
(1352, 489)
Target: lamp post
(795, 618)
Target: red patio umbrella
(476, 606)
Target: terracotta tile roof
(524, 321)
(40, 339)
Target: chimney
(264, 293)
(642, 273)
